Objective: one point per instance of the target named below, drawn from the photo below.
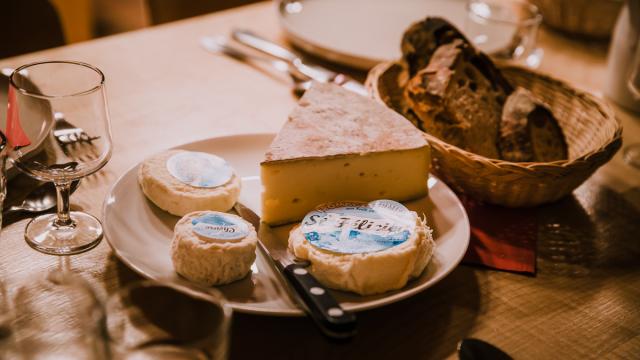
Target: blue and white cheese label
(199, 169)
(220, 226)
(353, 228)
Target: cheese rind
(332, 121)
(368, 273)
(209, 262)
(178, 198)
(338, 145)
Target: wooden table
(164, 90)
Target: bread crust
(529, 131)
(420, 41)
(455, 102)
(457, 94)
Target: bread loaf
(455, 102)
(457, 94)
(421, 40)
(529, 131)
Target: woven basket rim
(603, 107)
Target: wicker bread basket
(589, 18)
(590, 127)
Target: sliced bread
(455, 101)
(529, 131)
(421, 40)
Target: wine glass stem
(63, 191)
(64, 263)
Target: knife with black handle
(326, 312)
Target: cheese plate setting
(319, 200)
(140, 233)
(363, 178)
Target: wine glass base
(43, 235)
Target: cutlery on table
(66, 133)
(317, 73)
(476, 349)
(221, 45)
(325, 311)
(40, 199)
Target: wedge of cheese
(337, 145)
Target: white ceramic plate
(140, 233)
(359, 33)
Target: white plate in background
(359, 33)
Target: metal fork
(221, 45)
(66, 133)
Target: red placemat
(501, 238)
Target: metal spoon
(476, 349)
(40, 199)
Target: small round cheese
(367, 273)
(203, 251)
(178, 197)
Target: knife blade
(315, 72)
(326, 312)
(220, 45)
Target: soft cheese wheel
(177, 195)
(213, 248)
(370, 272)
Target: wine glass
(58, 315)
(168, 319)
(505, 29)
(632, 152)
(8, 346)
(41, 96)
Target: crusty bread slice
(421, 40)
(455, 101)
(529, 131)
(457, 94)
